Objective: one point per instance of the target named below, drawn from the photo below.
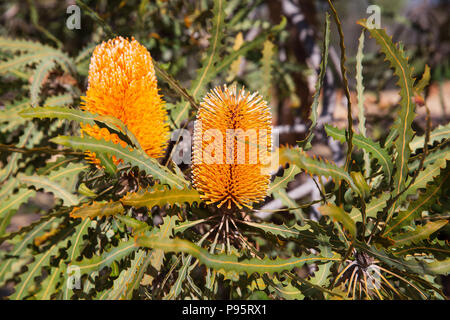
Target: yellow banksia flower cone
(122, 84)
(232, 172)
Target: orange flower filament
(122, 84)
(228, 166)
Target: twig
(13, 148)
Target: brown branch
(13, 148)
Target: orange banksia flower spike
(232, 137)
(122, 84)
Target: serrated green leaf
(412, 265)
(440, 267)
(135, 224)
(420, 233)
(38, 229)
(181, 227)
(10, 205)
(68, 177)
(440, 133)
(360, 96)
(136, 280)
(12, 165)
(165, 232)
(83, 117)
(286, 291)
(132, 156)
(366, 144)
(35, 269)
(77, 240)
(439, 249)
(426, 175)
(415, 208)
(399, 63)
(41, 71)
(282, 182)
(424, 81)
(372, 208)
(21, 45)
(266, 67)
(48, 185)
(317, 167)
(277, 230)
(161, 196)
(7, 188)
(97, 209)
(121, 284)
(290, 203)
(48, 286)
(98, 262)
(59, 100)
(228, 262)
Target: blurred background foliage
(175, 32)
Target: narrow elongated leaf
(411, 265)
(21, 45)
(228, 262)
(431, 158)
(266, 68)
(421, 233)
(98, 262)
(39, 75)
(439, 249)
(161, 196)
(415, 208)
(427, 175)
(68, 177)
(290, 203)
(139, 274)
(181, 227)
(313, 114)
(9, 207)
(77, 240)
(315, 166)
(277, 230)
(24, 60)
(372, 208)
(48, 286)
(59, 100)
(132, 156)
(34, 270)
(48, 185)
(282, 182)
(7, 188)
(399, 63)
(424, 81)
(165, 232)
(83, 117)
(366, 144)
(440, 267)
(97, 209)
(440, 133)
(136, 225)
(360, 95)
(60, 113)
(12, 165)
(121, 284)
